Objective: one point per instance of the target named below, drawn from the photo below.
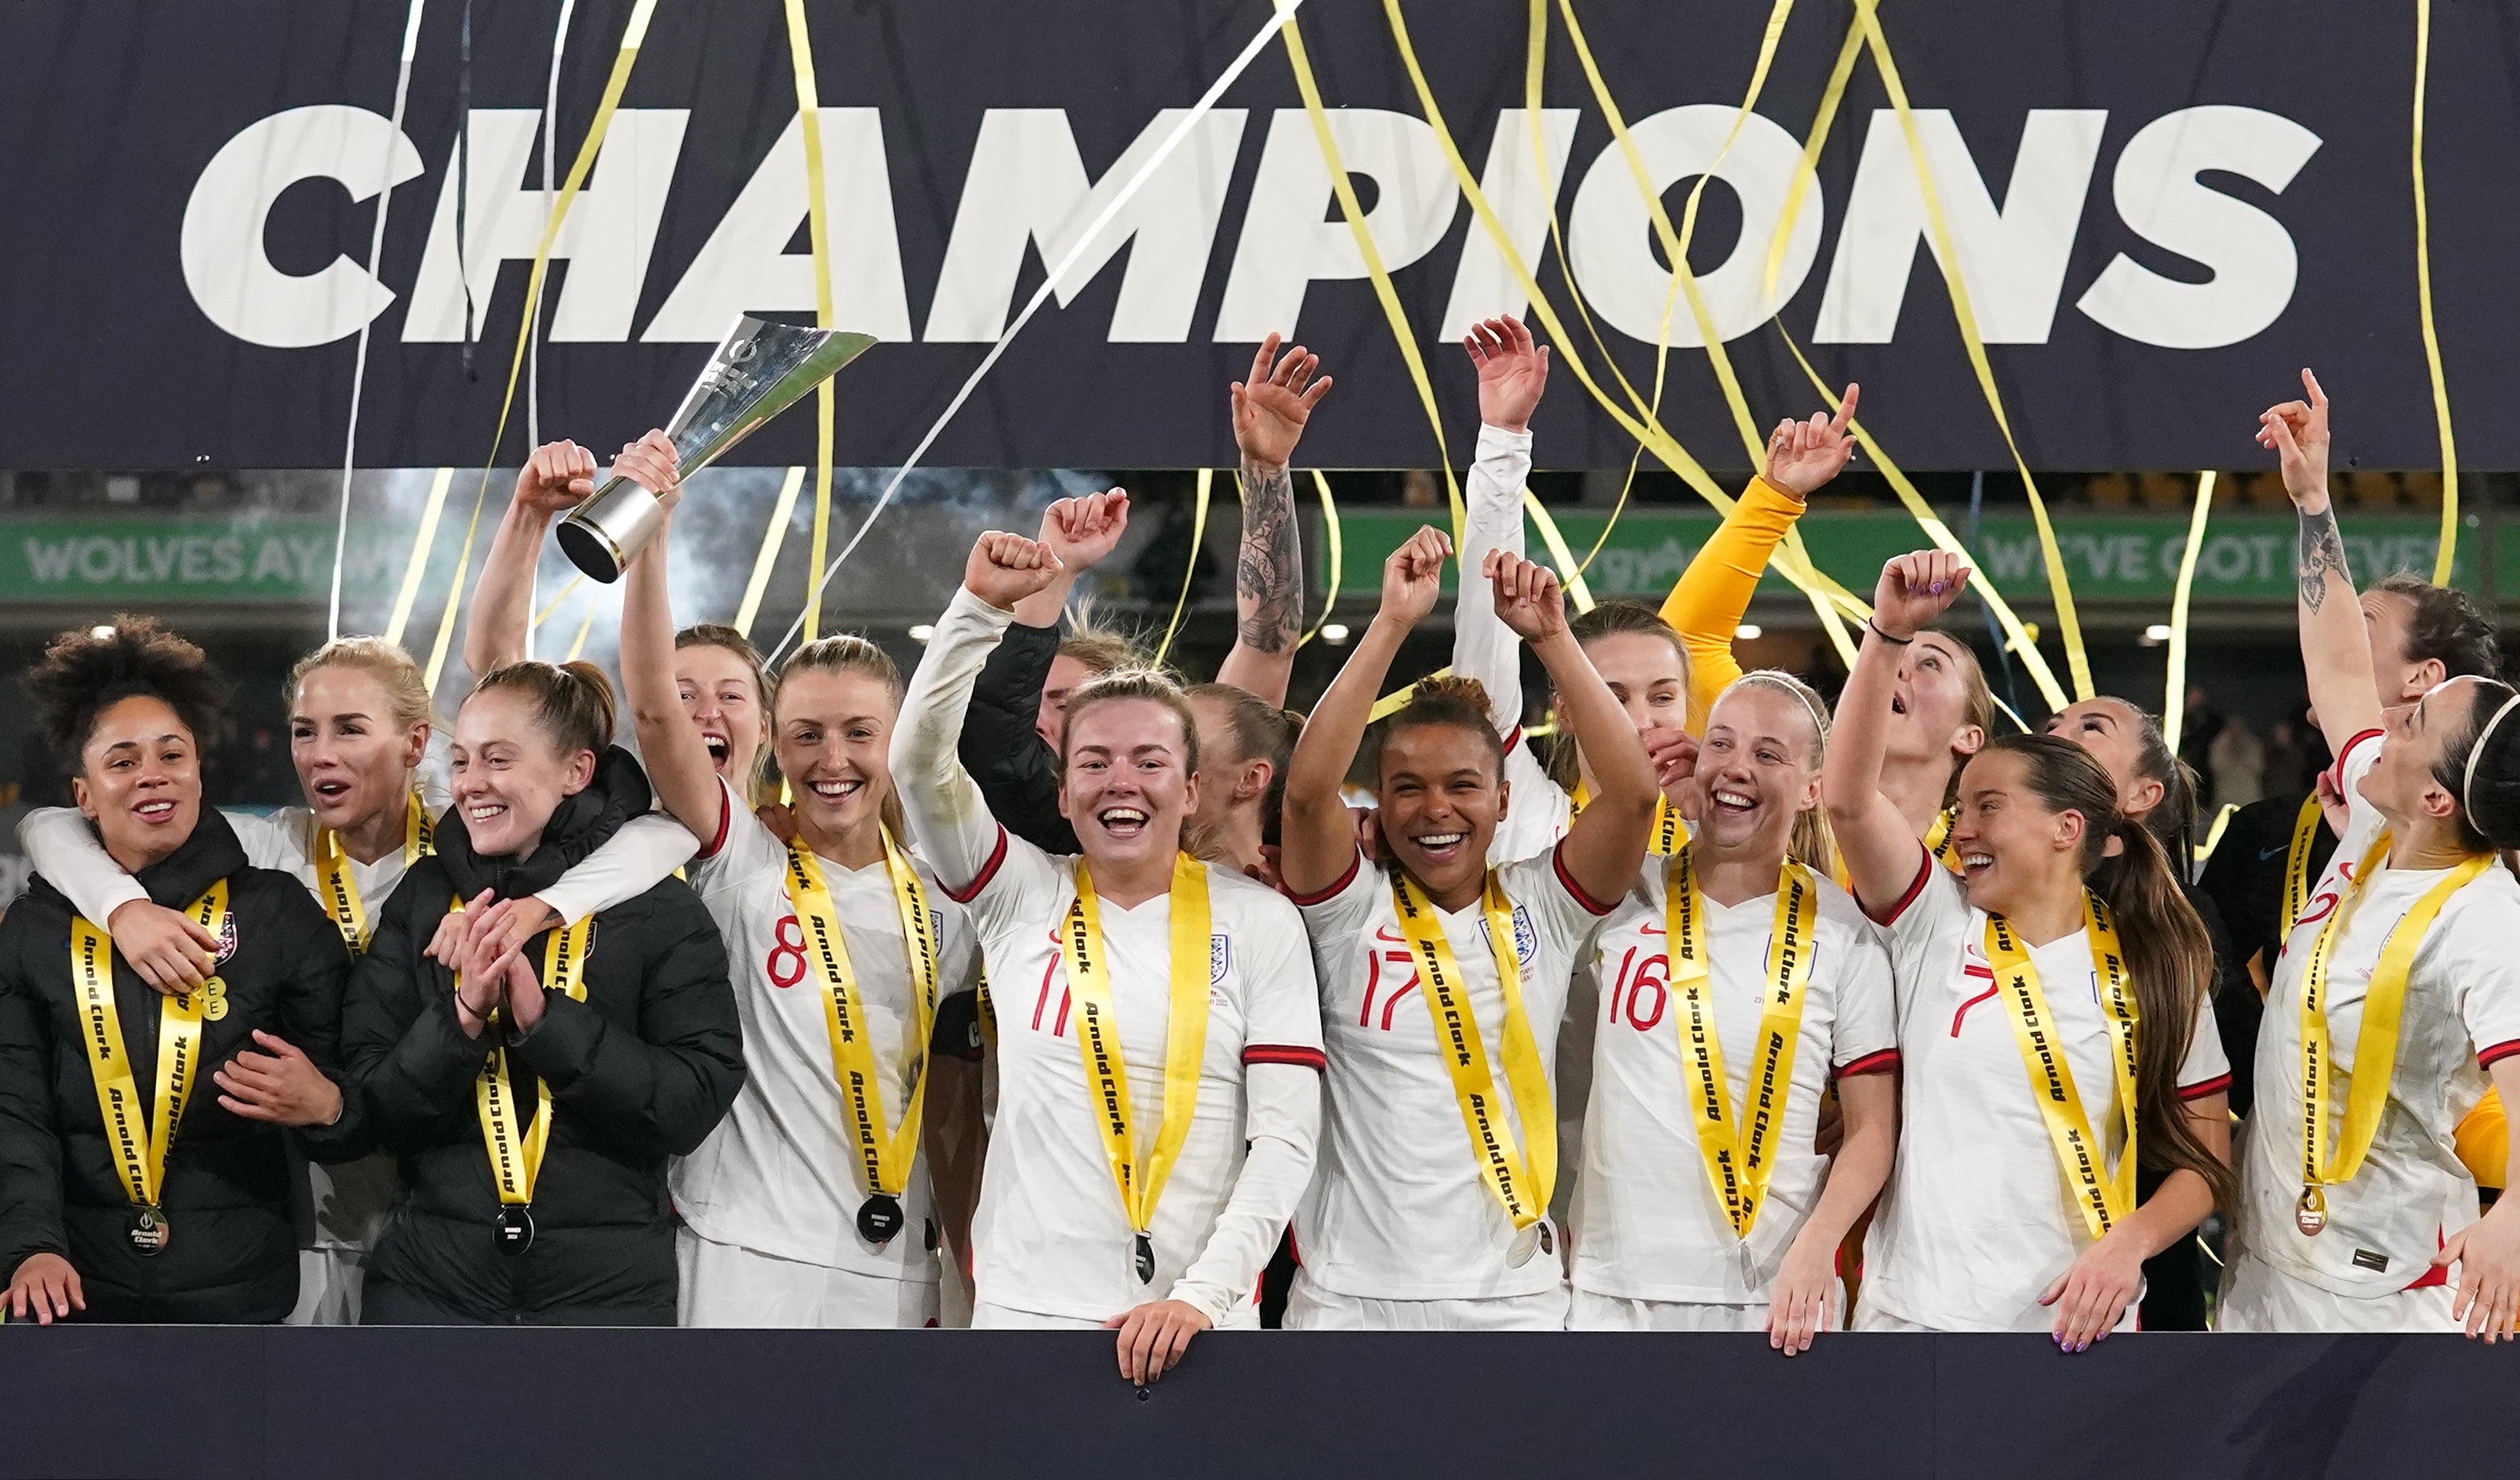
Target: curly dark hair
(85, 671)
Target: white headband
(2467, 782)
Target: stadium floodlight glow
(1333, 632)
(923, 632)
(1748, 632)
(2156, 635)
(107, 630)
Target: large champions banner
(2159, 210)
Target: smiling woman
(1432, 1210)
(180, 1212)
(1155, 1012)
(542, 1199)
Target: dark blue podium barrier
(377, 1403)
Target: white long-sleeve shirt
(1051, 1235)
(1485, 649)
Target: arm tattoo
(2321, 551)
(1266, 585)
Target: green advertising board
(239, 559)
(2108, 558)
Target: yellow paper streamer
(809, 120)
(2174, 712)
(2069, 623)
(2442, 558)
(1330, 545)
(781, 513)
(1383, 290)
(425, 537)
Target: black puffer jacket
(232, 1254)
(640, 1071)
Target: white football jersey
(1399, 1209)
(1647, 1221)
(1978, 1219)
(781, 1174)
(1052, 1237)
(2462, 1013)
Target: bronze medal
(2310, 1214)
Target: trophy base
(601, 535)
(589, 550)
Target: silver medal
(1526, 1242)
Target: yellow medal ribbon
(2103, 1196)
(1740, 1152)
(1523, 1188)
(884, 1158)
(340, 890)
(1141, 1174)
(2376, 1050)
(516, 1154)
(1938, 840)
(139, 1153)
(2296, 886)
(1669, 828)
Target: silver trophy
(760, 371)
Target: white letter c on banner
(232, 278)
(1612, 238)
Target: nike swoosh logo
(2267, 853)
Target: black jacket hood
(582, 823)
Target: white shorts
(1591, 1312)
(2259, 1297)
(1310, 1308)
(726, 1285)
(328, 1283)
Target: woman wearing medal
(533, 1094)
(1734, 965)
(130, 1191)
(810, 1204)
(2055, 1028)
(1158, 1039)
(1443, 981)
(359, 736)
(2396, 1000)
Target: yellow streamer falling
(781, 513)
(573, 583)
(2174, 687)
(2069, 622)
(586, 624)
(624, 61)
(809, 120)
(2019, 637)
(2442, 558)
(1790, 561)
(1570, 575)
(426, 536)
(1190, 568)
(1383, 290)
(1330, 546)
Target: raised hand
(1413, 575)
(557, 478)
(1914, 590)
(1527, 597)
(1005, 569)
(1270, 408)
(2296, 432)
(1804, 455)
(279, 1085)
(652, 464)
(1082, 532)
(1513, 373)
